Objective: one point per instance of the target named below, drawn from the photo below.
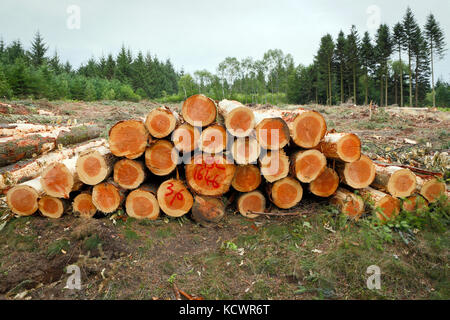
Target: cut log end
(161, 158)
(272, 133)
(251, 202)
(286, 193)
(308, 165)
(308, 128)
(360, 173)
(213, 139)
(209, 175)
(274, 165)
(402, 183)
(83, 205)
(185, 138)
(386, 207)
(92, 168)
(129, 174)
(413, 203)
(51, 207)
(22, 200)
(348, 203)
(199, 110)
(341, 146)
(57, 181)
(245, 150)
(142, 204)
(107, 197)
(207, 210)
(326, 183)
(174, 198)
(247, 178)
(240, 121)
(128, 139)
(160, 122)
(432, 189)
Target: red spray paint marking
(178, 195)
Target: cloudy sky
(199, 34)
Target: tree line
(396, 66)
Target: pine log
(199, 110)
(15, 129)
(142, 203)
(414, 202)
(161, 158)
(326, 183)
(128, 139)
(129, 174)
(13, 149)
(341, 146)
(274, 165)
(357, 174)
(83, 206)
(385, 206)
(307, 165)
(52, 207)
(209, 175)
(430, 188)
(29, 169)
(213, 139)
(59, 179)
(397, 181)
(272, 133)
(239, 119)
(107, 196)
(95, 165)
(174, 198)
(286, 193)
(251, 202)
(185, 138)
(22, 199)
(350, 204)
(245, 150)
(160, 122)
(247, 178)
(207, 210)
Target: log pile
(201, 160)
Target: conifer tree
(38, 50)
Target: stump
(326, 183)
(251, 202)
(174, 198)
(307, 165)
(286, 193)
(247, 178)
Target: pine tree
(110, 67)
(123, 65)
(340, 60)
(55, 63)
(436, 45)
(409, 28)
(353, 44)
(325, 57)
(383, 51)
(420, 53)
(38, 50)
(367, 62)
(398, 39)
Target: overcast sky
(199, 34)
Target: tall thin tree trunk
(354, 85)
(386, 86)
(366, 89)
(410, 78)
(342, 86)
(381, 90)
(416, 95)
(432, 75)
(401, 74)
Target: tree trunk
(326, 183)
(355, 100)
(161, 158)
(401, 75)
(348, 203)
(250, 202)
(342, 85)
(247, 178)
(15, 129)
(52, 207)
(83, 206)
(410, 78)
(128, 138)
(274, 165)
(213, 139)
(95, 165)
(208, 210)
(108, 196)
(160, 122)
(142, 203)
(385, 206)
(430, 188)
(357, 174)
(199, 110)
(307, 165)
(129, 174)
(285, 193)
(432, 74)
(239, 119)
(397, 181)
(174, 198)
(341, 146)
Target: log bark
(247, 178)
(128, 139)
(397, 181)
(358, 174)
(208, 210)
(307, 165)
(414, 202)
(129, 174)
(326, 183)
(59, 179)
(199, 110)
(52, 207)
(185, 138)
(272, 133)
(174, 198)
(209, 175)
(29, 169)
(274, 165)
(161, 158)
(142, 203)
(213, 139)
(386, 207)
(285, 193)
(160, 122)
(430, 188)
(83, 206)
(341, 146)
(107, 196)
(22, 199)
(95, 165)
(245, 150)
(250, 202)
(15, 129)
(350, 204)
(239, 119)
(14, 149)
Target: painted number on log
(176, 195)
(209, 179)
